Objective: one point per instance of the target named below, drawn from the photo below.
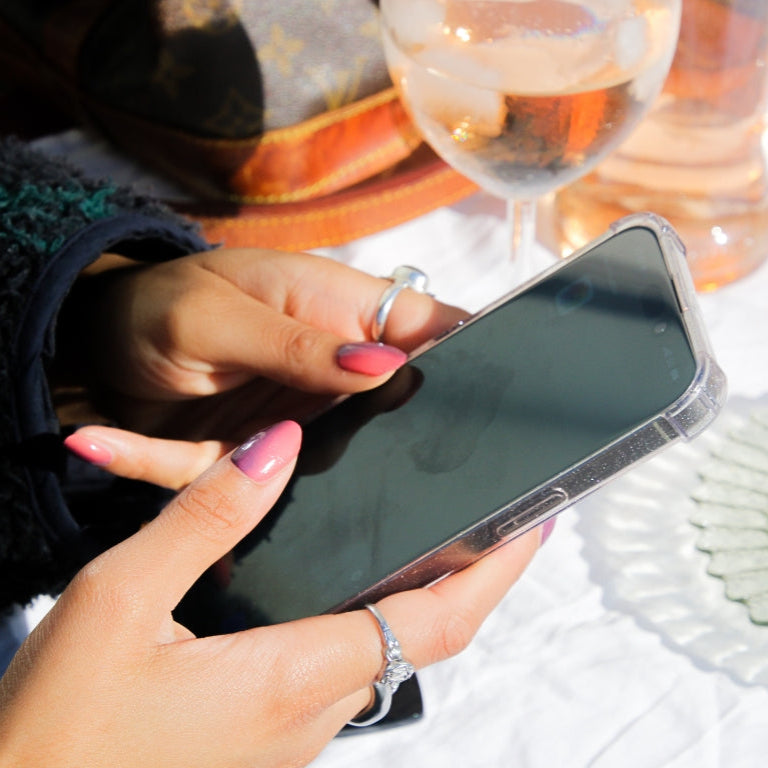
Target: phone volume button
(554, 498)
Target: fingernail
(89, 450)
(262, 456)
(546, 530)
(370, 358)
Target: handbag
(278, 120)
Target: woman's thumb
(210, 516)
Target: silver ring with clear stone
(396, 671)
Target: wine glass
(525, 96)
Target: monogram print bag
(277, 117)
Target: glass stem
(521, 219)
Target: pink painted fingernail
(89, 450)
(370, 358)
(546, 530)
(262, 456)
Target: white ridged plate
(732, 513)
(644, 548)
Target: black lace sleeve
(53, 222)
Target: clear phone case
(683, 419)
(493, 427)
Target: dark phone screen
(488, 414)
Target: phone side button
(553, 499)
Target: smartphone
(488, 430)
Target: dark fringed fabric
(54, 221)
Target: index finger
(204, 521)
(168, 463)
(328, 295)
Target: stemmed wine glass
(525, 96)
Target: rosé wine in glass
(525, 96)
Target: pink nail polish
(262, 456)
(546, 529)
(88, 450)
(370, 358)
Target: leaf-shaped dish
(646, 553)
(732, 513)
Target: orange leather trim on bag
(420, 185)
(317, 157)
(326, 153)
(326, 181)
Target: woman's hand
(109, 678)
(206, 349)
(175, 463)
(226, 338)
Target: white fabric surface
(559, 676)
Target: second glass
(700, 158)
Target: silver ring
(402, 277)
(396, 671)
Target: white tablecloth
(564, 674)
